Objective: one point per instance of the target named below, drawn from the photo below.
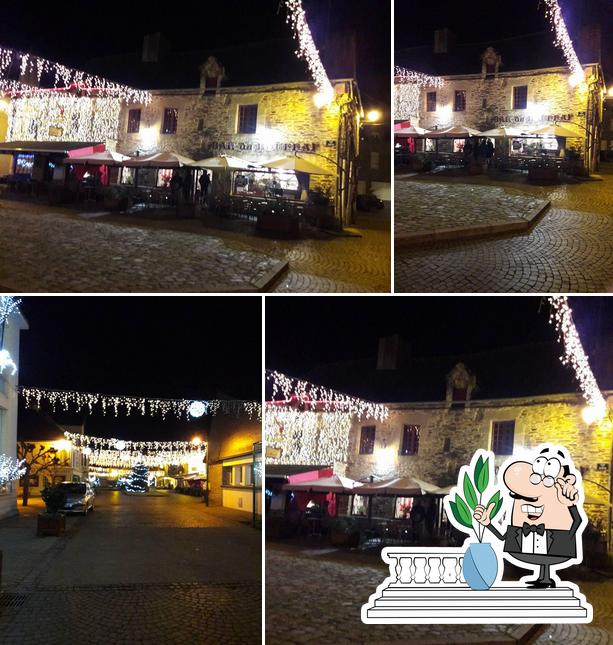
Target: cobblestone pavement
(139, 570)
(570, 249)
(309, 600)
(418, 207)
(42, 251)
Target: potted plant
(52, 522)
(481, 563)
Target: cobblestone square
(569, 250)
(148, 569)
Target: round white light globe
(196, 409)
(120, 445)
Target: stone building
(519, 82)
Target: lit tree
(37, 459)
(138, 480)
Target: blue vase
(480, 566)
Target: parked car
(79, 497)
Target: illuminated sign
(262, 147)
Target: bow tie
(533, 528)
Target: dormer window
(460, 385)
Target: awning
(504, 132)
(556, 130)
(411, 131)
(227, 163)
(59, 147)
(160, 160)
(457, 132)
(334, 484)
(401, 486)
(297, 164)
(106, 158)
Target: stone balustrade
(425, 566)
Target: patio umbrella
(556, 130)
(411, 131)
(227, 163)
(457, 132)
(106, 158)
(503, 132)
(160, 160)
(401, 486)
(297, 164)
(433, 489)
(333, 484)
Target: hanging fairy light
(8, 305)
(80, 441)
(71, 400)
(563, 41)
(574, 355)
(127, 460)
(403, 75)
(10, 469)
(307, 50)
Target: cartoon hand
(567, 493)
(482, 514)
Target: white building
(10, 332)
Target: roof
(519, 53)
(46, 146)
(259, 63)
(518, 371)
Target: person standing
(205, 182)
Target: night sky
(160, 347)
(302, 333)
(76, 31)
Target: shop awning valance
(333, 484)
(297, 164)
(59, 147)
(106, 158)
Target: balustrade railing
(419, 566)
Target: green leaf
(464, 515)
(456, 514)
(478, 469)
(495, 498)
(469, 492)
(484, 476)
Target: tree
(138, 480)
(35, 462)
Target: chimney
(393, 353)
(155, 48)
(444, 40)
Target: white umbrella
(503, 131)
(297, 164)
(556, 130)
(106, 158)
(333, 484)
(457, 132)
(228, 163)
(160, 160)
(411, 131)
(402, 486)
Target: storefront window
(147, 177)
(268, 184)
(24, 163)
(403, 508)
(127, 176)
(360, 505)
(164, 177)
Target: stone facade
(288, 121)
(448, 437)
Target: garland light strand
(403, 75)
(8, 305)
(574, 355)
(563, 41)
(308, 51)
(69, 399)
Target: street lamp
(372, 116)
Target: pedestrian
(175, 187)
(489, 151)
(205, 182)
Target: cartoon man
(545, 519)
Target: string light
(11, 469)
(403, 75)
(127, 460)
(63, 77)
(80, 441)
(67, 399)
(406, 101)
(563, 41)
(308, 51)
(8, 305)
(7, 362)
(574, 355)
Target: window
(484, 103)
(410, 440)
(169, 126)
(133, 121)
(226, 477)
(460, 101)
(431, 102)
(447, 444)
(200, 125)
(520, 97)
(367, 440)
(503, 433)
(247, 119)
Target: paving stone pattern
(423, 207)
(45, 251)
(569, 250)
(315, 601)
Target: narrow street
(139, 569)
